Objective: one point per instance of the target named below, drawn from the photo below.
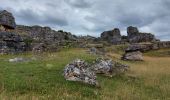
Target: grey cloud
(94, 16)
(79, 3)
(31, 17)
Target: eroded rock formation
(112, 36)
(7, 20)
(134, 36)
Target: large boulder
(134, 36)
(79, 70)
(109, 67)
(7, 20)
(112, 36)
(133, 56)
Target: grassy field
(42, 79)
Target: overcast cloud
(92, 17)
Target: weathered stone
(132, 30)
(97, 51)
(133, 56)
(39, 33)
(11, 43)
(79, 70)
(161, 45)
(143, 47)
(4, 50)
(134, 36)
(7, 20)
(38, 48)
(112, 36)
(109, 67)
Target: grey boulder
(109, 67)
(79, 70)
(7, 19)
(133, 56)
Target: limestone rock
(109, 67)
(38, 48)
(134, 36)
(132, 30)
(39, 33)
(112, 36)
(97, 51)
(79, 70)
(11, 43)
(161, 45)
(133, 56)
(140, 47)
(7, 19)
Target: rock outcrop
(109, 67)
(7, 20)
(39, 33)
(112, 36)
(142, 47)
(79, 70)
(134, 36)
(11, 43)
(161, 45)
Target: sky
(92, 17)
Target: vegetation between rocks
(42, 79)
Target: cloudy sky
(92, 17)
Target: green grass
(159, 53)
(42, 79)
